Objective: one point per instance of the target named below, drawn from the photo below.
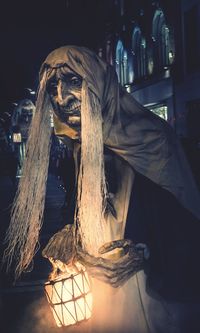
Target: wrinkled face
(64, 88)
(25, 116)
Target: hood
(132, 132)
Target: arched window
(161, 40)
(128, 67)
(150, 62)
(119, 61)
(143, 57)
(124, 67)
(139, 54)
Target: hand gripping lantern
(69, 295)
(68, 290)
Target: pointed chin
(63, 129)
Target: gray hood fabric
(134, 133)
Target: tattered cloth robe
(150, 178)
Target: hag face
(64, 89)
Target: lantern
(70, 297)
(17, 138)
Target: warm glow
(17, 137)
(70, 297)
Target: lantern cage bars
(70, 297)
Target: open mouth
(74, 120)
(74, 107)
(74, 111)
(71, 116)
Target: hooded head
(68, 68)
(79, 88)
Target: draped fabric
(136, 142)
(132, 132)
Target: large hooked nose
(63, 95)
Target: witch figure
(136, 206)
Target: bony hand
(114, 271)
(61, 246)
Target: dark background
(31, 29)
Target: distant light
(15, 104)
(167, 73)
(32, 92)
(17, 137)
(128, 88)
(171, 56)
(7, 114)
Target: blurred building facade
(155, 48)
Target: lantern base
(69, 296)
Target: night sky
(31, 29)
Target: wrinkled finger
(143, 247)
(99, 262)
(129, 259)
(121, 243)
(123, 278)
(112, 278)
(115, 271)
(116, 279)
(98, 275)
(107, 265)
(89, 260)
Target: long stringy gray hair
(27, 212)
(92, 191)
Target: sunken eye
(76, 81)
(52, 88)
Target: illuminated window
(159, 109)
(119, 61)
(143, 57)
(139, 54)
(124, 64)
(17, 137)
(125, 67)
(163, 54)
(150, 64)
